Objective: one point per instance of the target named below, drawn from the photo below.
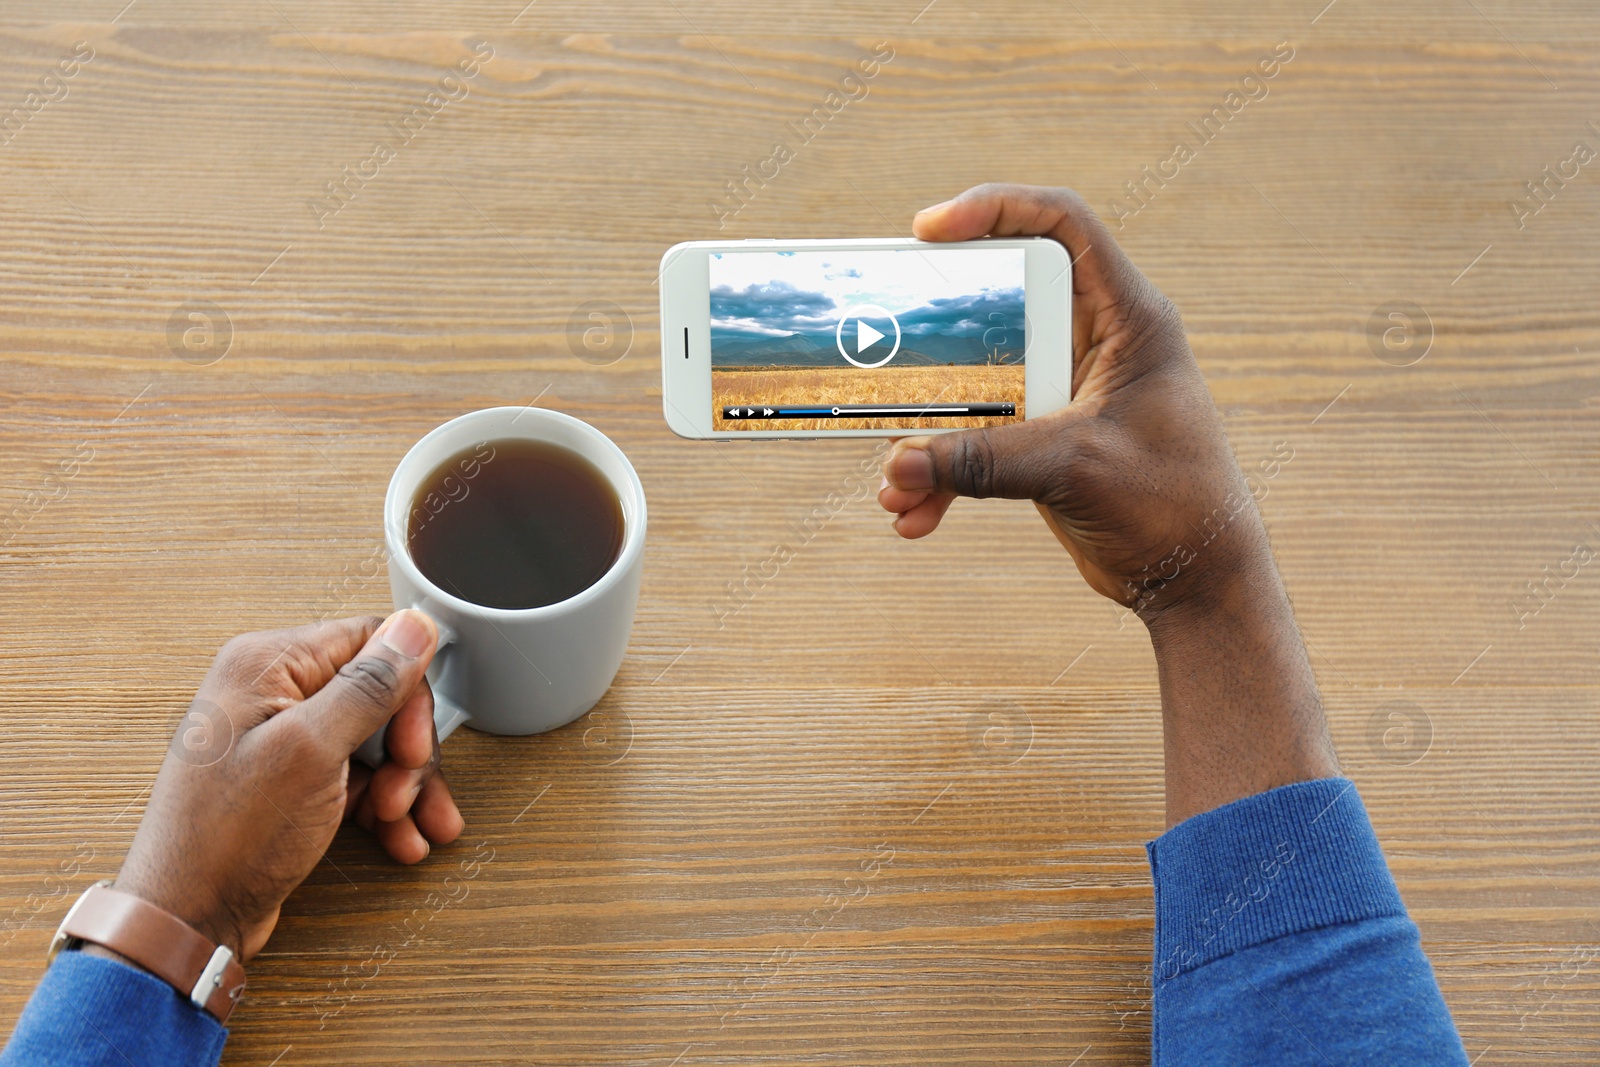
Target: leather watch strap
(158, 941)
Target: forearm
(1271, 904)
(1240, 708)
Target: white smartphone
(863, 338)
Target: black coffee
(515, 524)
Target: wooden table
(688, 877)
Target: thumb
(375, 683)
(1019, 462)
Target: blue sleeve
(93, 1010)
(1281, 939)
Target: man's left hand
(258, 777)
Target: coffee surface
(515, 524)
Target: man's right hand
(1137, 480)
(1136, 477)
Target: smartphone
(863, 338)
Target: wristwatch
(158, 941)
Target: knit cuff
(1295, 858)
(90, 1009)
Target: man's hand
(259, 777)
(1137, 470)
(1137, 480)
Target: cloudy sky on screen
(777, 293)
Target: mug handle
(447, 714)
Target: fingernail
(941, 205)
(913, 468)
(407, 633)
(885, 483)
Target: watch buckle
(210, 979)
(59, 942)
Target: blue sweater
(1280, 939)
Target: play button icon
(872, 325)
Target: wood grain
(654, 910)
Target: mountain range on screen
(959, 330)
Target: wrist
(1241, 594)
(119, 925)
(207, 919)
(1233, 581)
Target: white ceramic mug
(527, 670)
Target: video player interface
(893, 339)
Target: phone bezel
(686, 306)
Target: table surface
(680, 879)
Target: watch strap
(158, 941)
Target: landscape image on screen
(947, 326)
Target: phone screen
(891, 339)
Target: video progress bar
(866, 411)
